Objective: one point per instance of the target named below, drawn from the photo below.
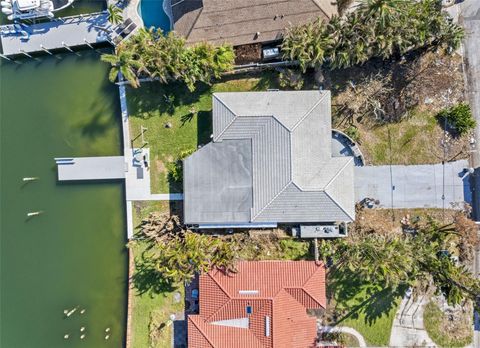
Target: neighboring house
(242, 22)
(263, 305)
(270, 162)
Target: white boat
(29, 9)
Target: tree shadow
(372, 301)
(103, 115)
(187, 118)
(204, 127)
(97, 125)
(147, 279)
(155, 98)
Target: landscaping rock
(177, 297)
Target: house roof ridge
(190, 317)
(272, 200)
(318, 268)
(321, 9)
(338, 205)
(224, 292)
(350, 159)
(305, 291)
(323, 95)
(235, 116)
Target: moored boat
(30, 9)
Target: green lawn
(153, 301)
(410, 141)
(444, 333)
(366, 308)
(188, 115)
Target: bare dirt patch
(394, 105)
(386, 221)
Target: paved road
(415, 186)
(470, 19)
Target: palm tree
(123, 62)
(114, 14)
(382, 12)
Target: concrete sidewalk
(408, 329)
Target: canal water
(73, 254)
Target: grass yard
(367, 309)
(179, 120)
(152, 305)
(453, 332)
(414, 140)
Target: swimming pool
(154, 15)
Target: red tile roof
(278, 292)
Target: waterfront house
(254, 23)
(263, 305)
(270, 162)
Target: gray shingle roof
(293, 176)
(218, 179)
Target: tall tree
(378, 28)
(124, 62)
(168, 58)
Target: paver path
(408, 329)
(347, 330)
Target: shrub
(291, 79)
(353, 133)
(175, 169)
(459, 117)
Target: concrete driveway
(415, 186)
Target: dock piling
(66, 46)
(5, 57)
(25, 53)
(43, 48)
(87, 43)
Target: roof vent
(248, 292)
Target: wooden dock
(91, 168)
(61, 33)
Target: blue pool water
(154, 15)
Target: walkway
(415, 186)
(408, 329)
(137, 175)
(91, 168)
(57, 34)
(344, 329)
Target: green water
(73, 254)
